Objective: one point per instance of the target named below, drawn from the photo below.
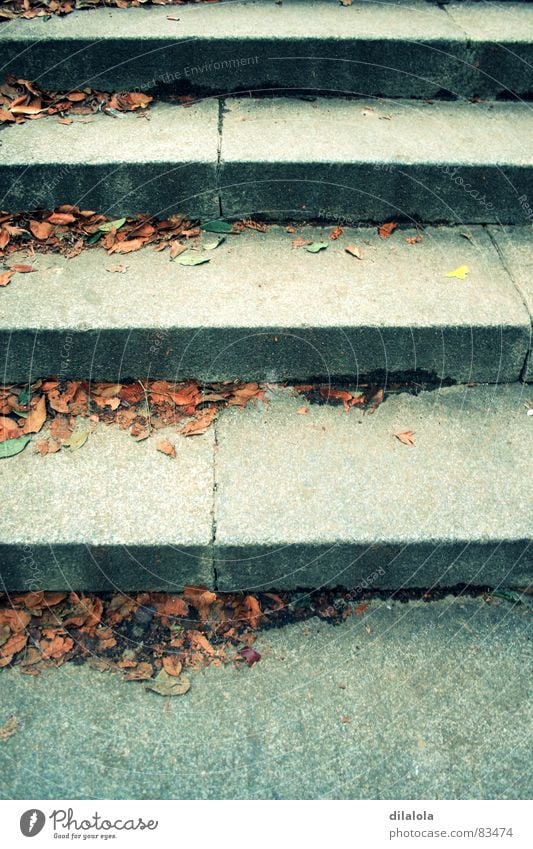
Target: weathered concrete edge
(382, 565)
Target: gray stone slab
(500, 45)
(393, 49)
(333, 498)
(115, 514)
(124, 165)
(438, 696)
(516, 248)
(261, 310)
(439, 162)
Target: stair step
(394, 49)
(435, 162)
(126, 164)
(272, 498)
(331, 498)
(261, 310)
(440, 162)
(114, 514)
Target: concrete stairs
(331, 125)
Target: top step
(389, 49)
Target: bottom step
(285, 494)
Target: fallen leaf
(459, 272)
(13, 446)
(176, 248)
(200, 424)
(41, 229)
(5, 277)
(353, 250)
(338, 231)
(361, 608)
(118, 269)
(250, 655)
(300, 243)
(172, 665)
(217, 227)
(76, 440)
(210, 246)
(23, 269)
(15, 644)
(413, 240)
(386, 230)
(407, 437)
(302, 411)
(315, 247)
(192, 258)
(168, 685)
(8, 728)
(61, 218)
(200, 642)
(167, 448)
(142, 672)
(112, 225)
(36, 417)
(253, 611)
(56, 647)
(126, 247)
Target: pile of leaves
(141, 408)
(44, 8)
(68, 230)
(21, 100)
(152, 636)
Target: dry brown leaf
(201, 423)
(172, 665)
(8, 728)
(41, 229)
(253, 611)
(5, 277)
(17, 620)
(386, 230)
(23, 269)
(353, 250)
(407, 437)
(36, 417)
(61, 218)
(167, 448)
(300, 243)
(126, 247)
(142, 672)
(338, 231)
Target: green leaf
(13, 446)
(94, 238)
(24, 397)
(210, 246)
(315, 247)
(110, 225)
(217, 227)
(76, 440)
(192, 258)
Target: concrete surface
(515, 246)
(262, 310)
(395, 49)
(269, 498)
(110, 514)
(407, 160)
(117, 165)
(438, 698)
(331, 498)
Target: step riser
(415, 51)
(484, 355)
(357, 67)
(323, 191)
(387, 566)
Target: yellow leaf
(459, 272)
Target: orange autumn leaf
(172, 664)
(386, 230)
(126, 247)
(167, 448)
(41, 229)
(36, 416)
(5, 277)
(406, 437)
(171, 607)
(17, 620)
(23, 269)
(200, 424)
(142, 672)
(9, 429)
(56, 647)
(12, 646)
(61, 218)
(253, 611)
(338, 231)
(201, 643)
